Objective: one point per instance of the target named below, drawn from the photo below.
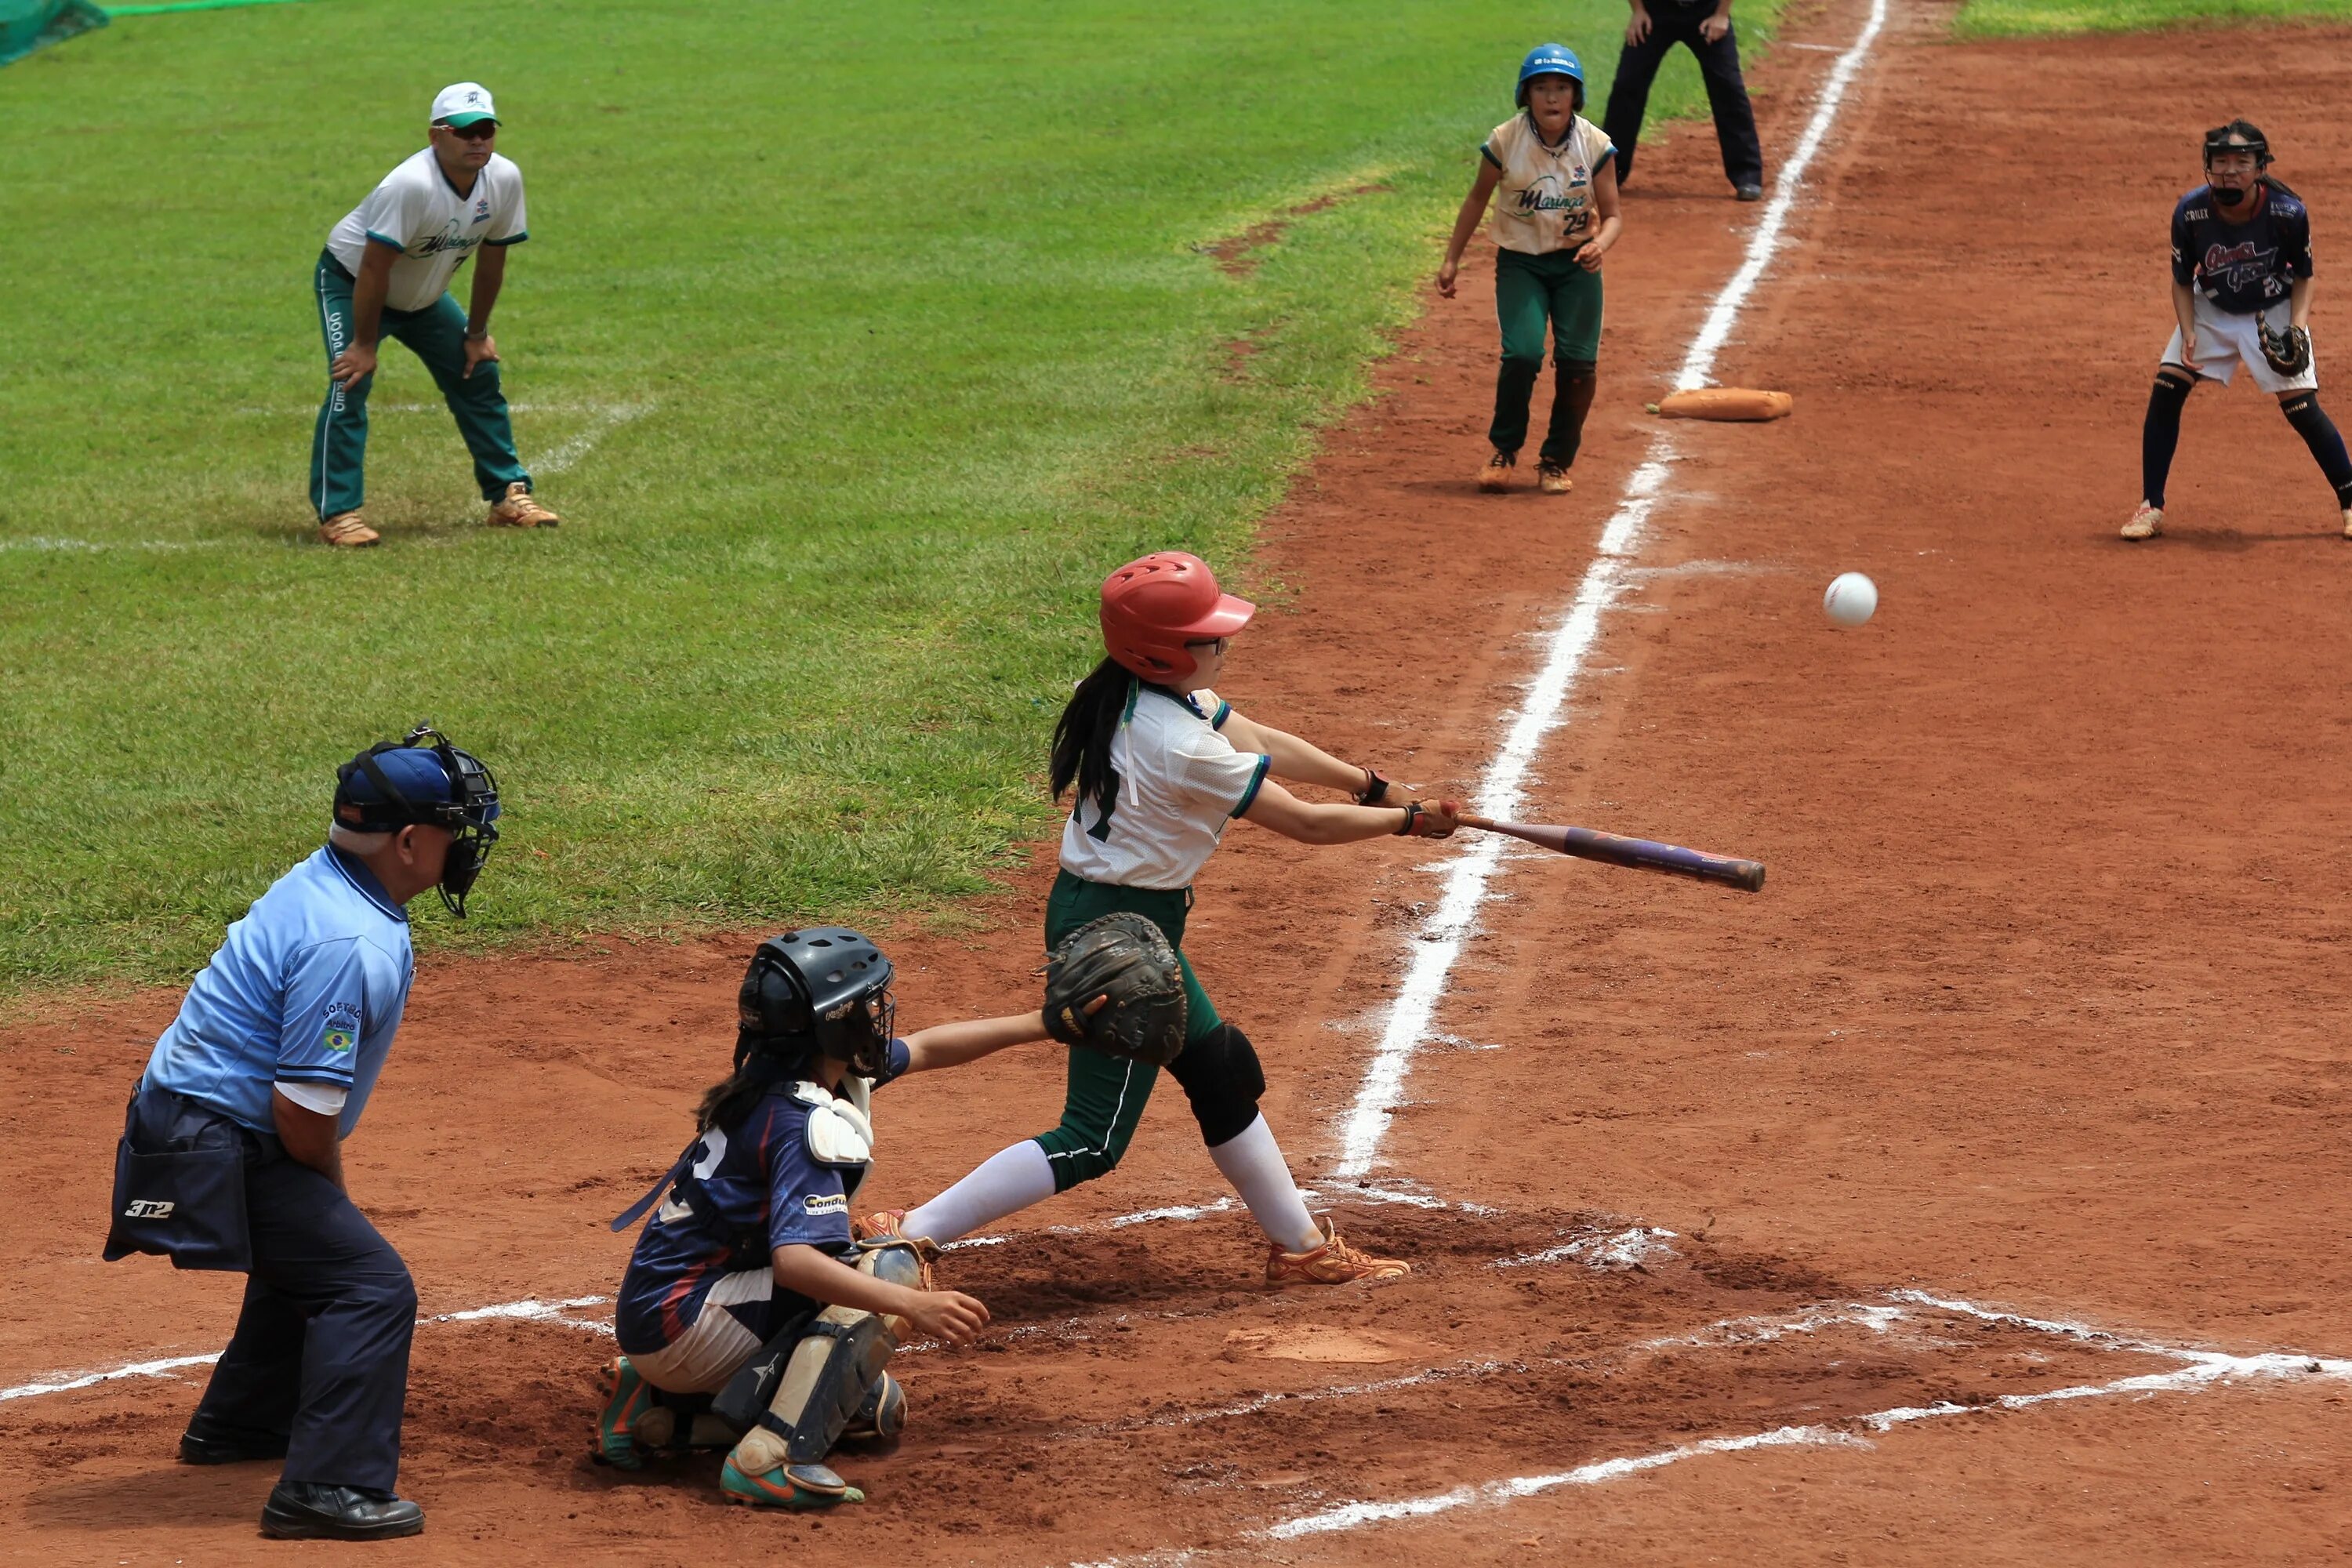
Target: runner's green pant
(436, 334)
(1107, 1096)
(1529, 292)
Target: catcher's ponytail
(1083, 736)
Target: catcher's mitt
(2289, 351)
(1114, 985)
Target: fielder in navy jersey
(750, 1318)
(2241, 295)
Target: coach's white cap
(464, 104)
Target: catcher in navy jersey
(2241, 295)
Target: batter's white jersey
(417, 209)
(1180, 783)
(1543, 195)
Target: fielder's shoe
(347, 529)
(304, 1511)
(1497, 474)
(2145, 523)
(1751, 193)
(628, 1399)
(1552, 479)
(204, 1443)
(1333, 1263)
(786, 1486)
(521, 509)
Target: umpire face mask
(470, 817)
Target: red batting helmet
(1153, 607)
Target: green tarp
(27, 24)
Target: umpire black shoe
(304, 1511)
(1751, 193)
(229, 1444)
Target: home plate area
(1142, 1367)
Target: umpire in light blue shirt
(230, 1153)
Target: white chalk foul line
(1541, 710)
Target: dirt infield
(1715, 1201)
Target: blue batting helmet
(1551, 60)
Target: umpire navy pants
(1727, 92)
(320, 1352)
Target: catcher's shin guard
(831, 1372)
(882, 1415)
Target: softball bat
(1641, 854)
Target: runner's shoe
(1552, 479)
(521, 509)
(349, 529)
(1497, 474)
(1333, 1263)
(628, 1399)
(874, 1227)
(2148, 521)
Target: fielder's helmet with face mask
(822, 990)
(423, 780)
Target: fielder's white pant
(2226, 339)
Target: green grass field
(2025, 18)
(872, 338)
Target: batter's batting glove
(1430, 819)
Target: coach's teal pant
(1532, 293)
(436, 334)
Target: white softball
(1852, 599)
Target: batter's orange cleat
(521, 509)
(1333, 1263)
(347, 529)
(2145, 523)
(1497, 474)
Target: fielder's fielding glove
(2289, 351)
(1114, 985)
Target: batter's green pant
(1529, 292)
(436, 334)
(1106, 1096)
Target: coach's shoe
(628, 1400)
(2145, 523)
(1750, 192)
(347, 529)
(1333, 1263)
(521, 509)
(1497, 474)
(1552, 479)
(206, 1444)
(305, 1510)
(786, 1486)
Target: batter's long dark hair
(1083, 735)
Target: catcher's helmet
(824, 989)
(422, 779)
(1153, 607)
(1551, 60)
(2238, 136)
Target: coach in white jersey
(385, 272)
(1161, 765)
(231, 1151)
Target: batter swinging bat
(1641, 854)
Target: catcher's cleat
(1552, 479)
(786, 1486)
(1333, 1263)
(521, 509)
(347, 529)
(875, 1227)
(2145, 523)
(628, 1399)
(1497, 474)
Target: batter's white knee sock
(1252, 1161)
(1005, 1183)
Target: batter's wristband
(1375, 790)
(1412, 816)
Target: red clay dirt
(2040, 1006)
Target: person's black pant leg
(1727, 96)
(318, 1254)
(258, 1381)
(1628, 90)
